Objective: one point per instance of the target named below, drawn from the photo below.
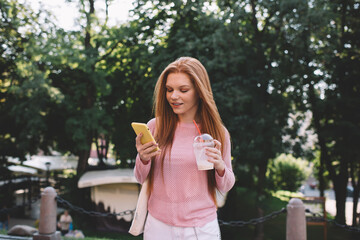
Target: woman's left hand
(215, 157)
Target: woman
(182, 202)
(65, 222)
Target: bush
(287, 173)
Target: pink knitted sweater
(181, 197)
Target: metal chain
(67, 204)
(344, 226)
(254, 221)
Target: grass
(274, 229)
(106, 236)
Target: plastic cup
(200, 142)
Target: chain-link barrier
(67, 204)
(319, 217)
(254, 221)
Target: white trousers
(157, 230)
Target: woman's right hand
(146, 150)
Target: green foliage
(23, 90)
(240, 74)
(287, 173)
(334, 51)
(267, 60)
(286, 195)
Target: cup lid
(203, 138)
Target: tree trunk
(321, 177)
(340, 196)
(88, 25)
(356, 186)
(355, 204)
(259, 229)
(83, 161)
(306, 40)
(339, 180)
(89, 101)
(340, 183)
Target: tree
(128, 70)
(247, 88)
(78, 73)
(259, 104)
(330, 60)
(24, 89)
(342, 59)
(74, 86)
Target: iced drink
(200, 142)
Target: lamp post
(47, 164)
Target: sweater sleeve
(141, 170)
(226, 182)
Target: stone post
(47, 222)
(295, 220)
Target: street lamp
(47, 164)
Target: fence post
(47, 222)
(295, 220)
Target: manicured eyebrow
(182, 86)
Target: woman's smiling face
(182, 96)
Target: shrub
(287, 173)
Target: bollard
(295, 220)
(47, 222)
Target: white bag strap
(138, 222)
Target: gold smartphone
(144, 129)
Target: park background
(285, 76)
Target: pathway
(331, 202)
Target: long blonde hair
(166, 119)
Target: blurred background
(285, 75)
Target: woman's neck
(187, 119)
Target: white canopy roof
(101, 177)
(56, 162)
(22, 169)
